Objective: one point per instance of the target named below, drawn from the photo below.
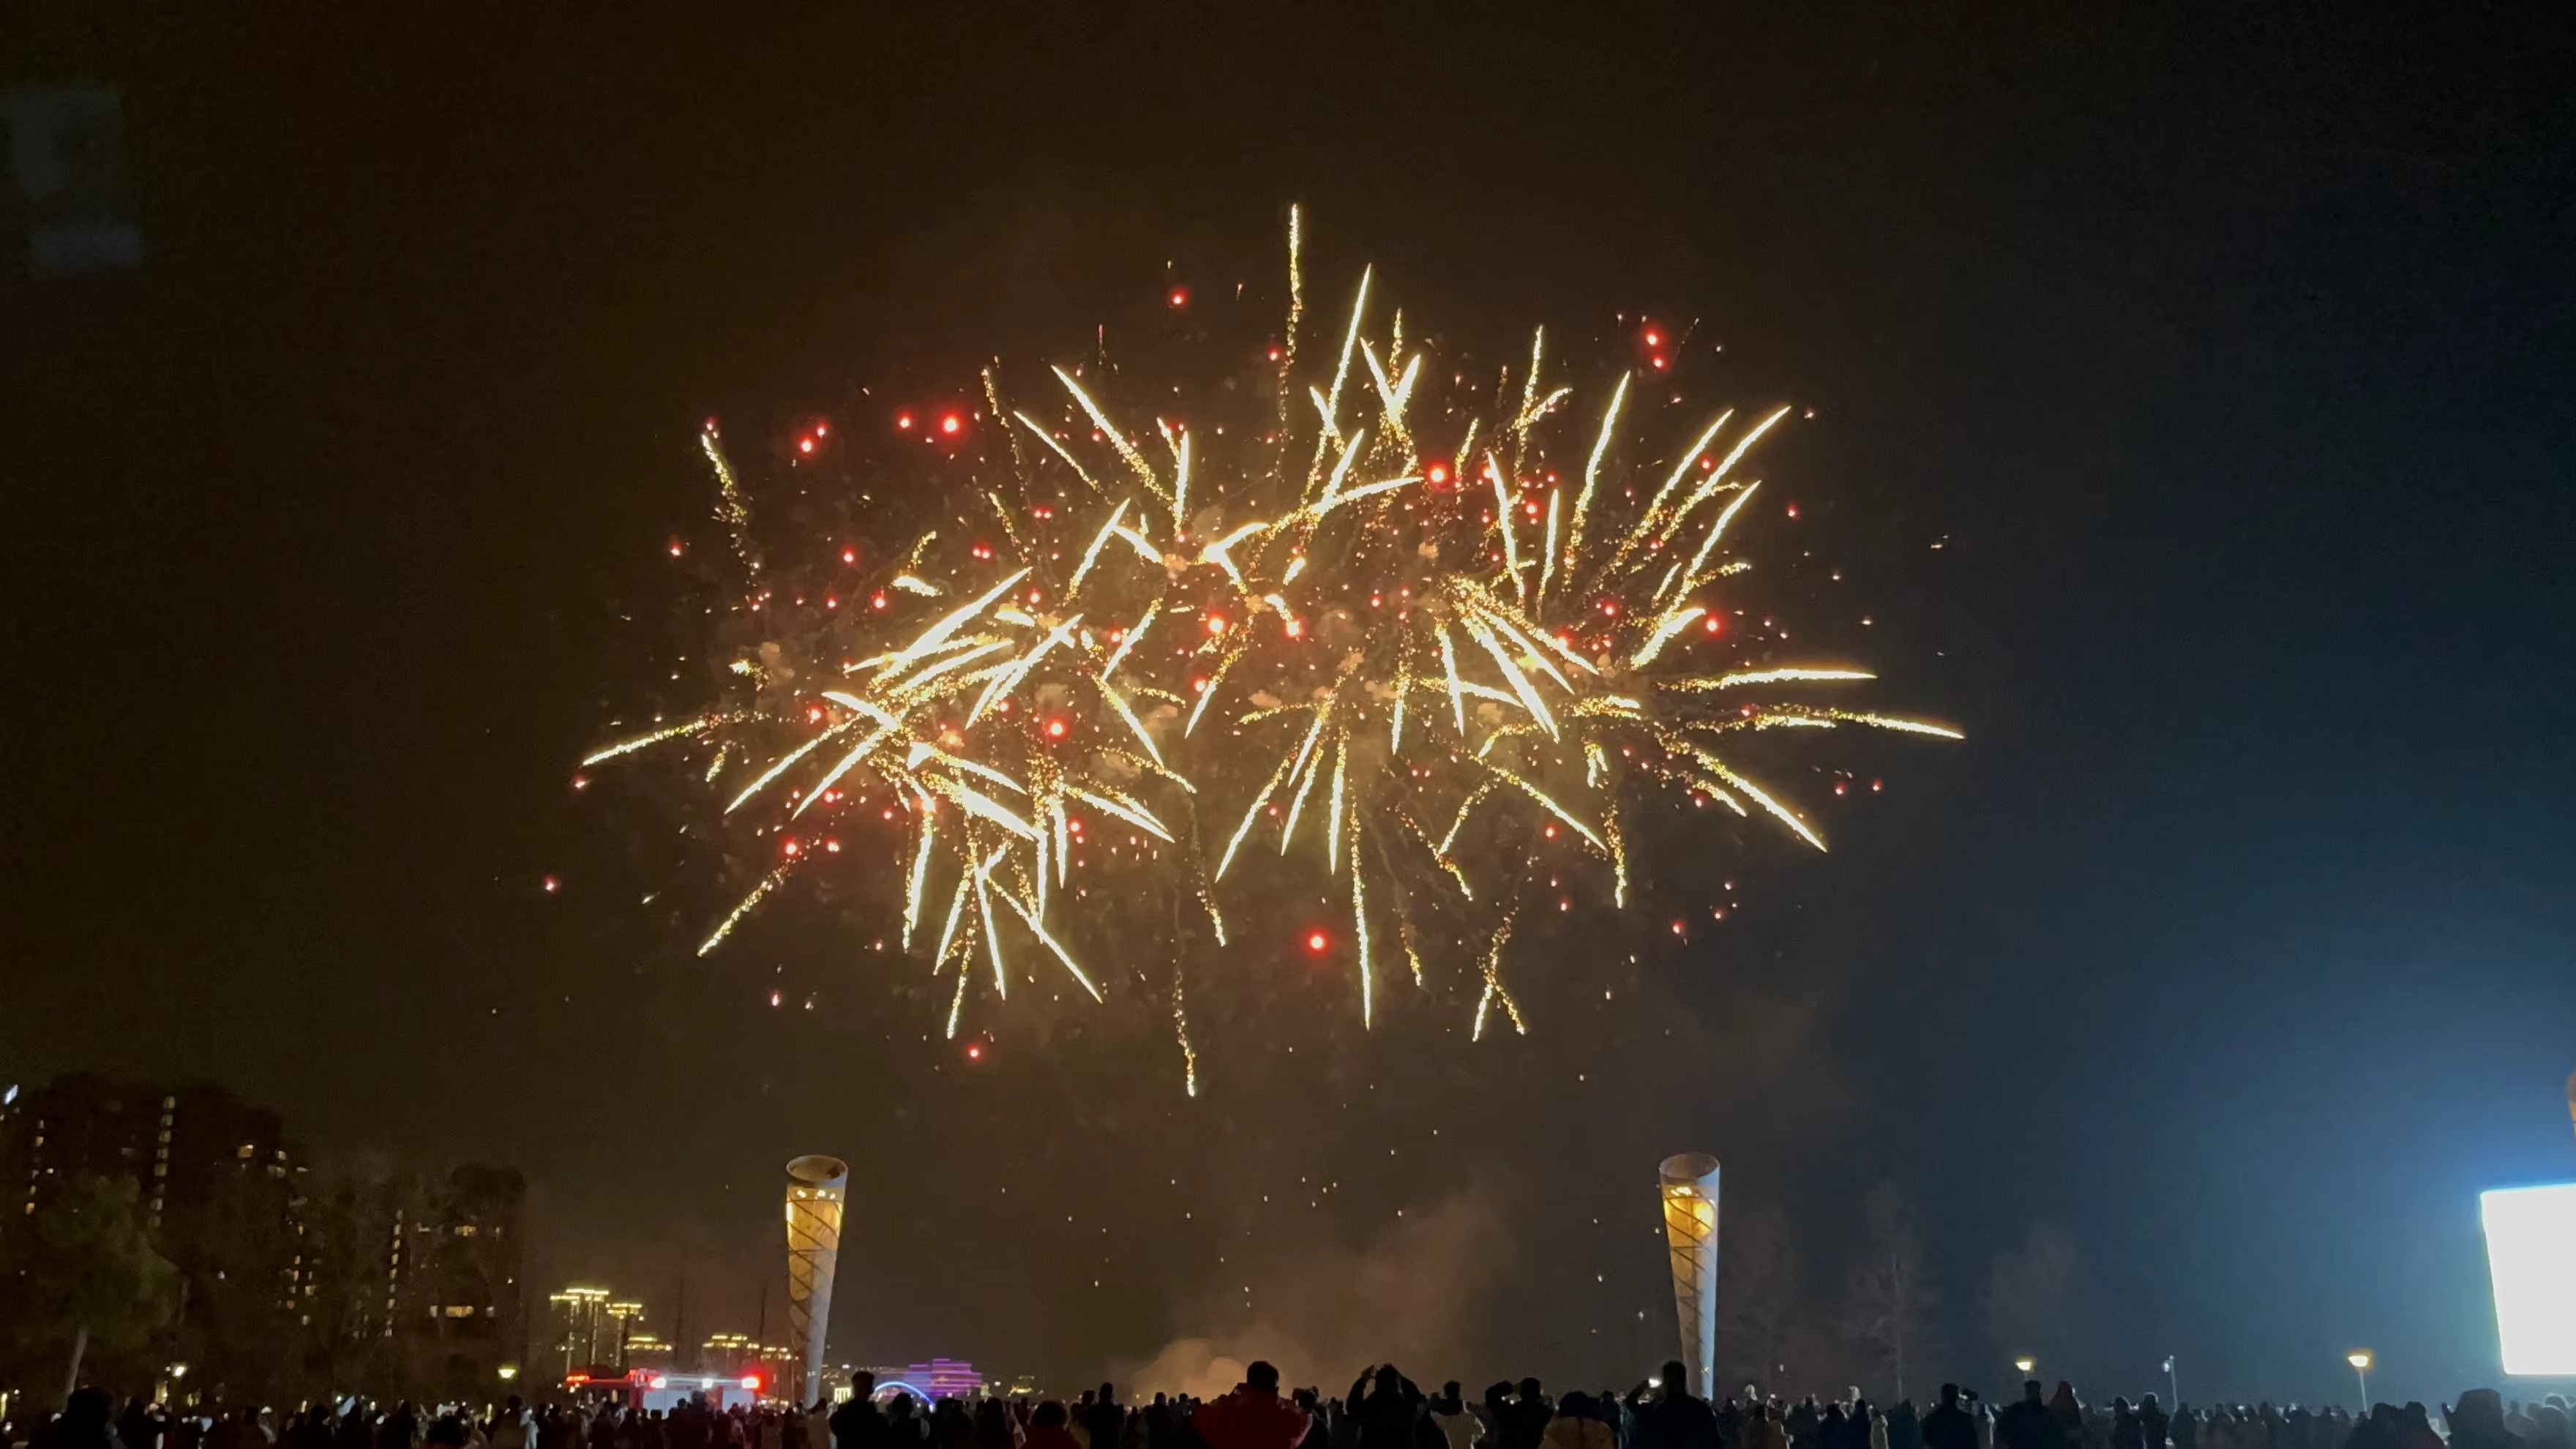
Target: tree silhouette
(1759, 1281)
(91, 1277)
(1888, 1298)
(2030, 1291)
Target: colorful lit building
(940, 1378)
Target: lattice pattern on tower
(815, 1189)
(1689, 1183)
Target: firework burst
(1368, 627)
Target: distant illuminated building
(217, 1186)
(738, 1354)
(592, 1330)
(624, 1312)
(579, 1315)
(455, 1284)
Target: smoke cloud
(1410, 1296)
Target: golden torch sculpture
(815, 1186)
(1690, 1232)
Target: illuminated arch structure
(887, 1390)
(941, 1378)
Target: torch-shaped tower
(814, 1189)
(1690, 1232)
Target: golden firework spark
(1249, 623)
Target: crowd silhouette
(1383, 1409)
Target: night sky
(2224, 350)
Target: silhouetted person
(1577, 1426)
(1319, 1435)
(510, 1426)
(353, 1430)
(1047, 1428)
(1491, 1412)
(135, 1429)
(1102, 1417)
(857, 1424)
(2028, 1424)
(2126, 1432)
(1673, 1417)
(83, 1424)
(1904, 1427)
(2068, 1411)
(2477, 1422)
(1523, 1423)
(992, 1426)
(1802, 1423)
(1382, 1407)
(1448, 1414)
(240, 1430)
(1950, 1425)
(1763, 1429)
(2152, 1423)
(1254, 1416)
(1834, 1430)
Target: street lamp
(2173, 1384)
(2025, 1363)
(509, 1371)
(2359, 1358)
(178, 1370)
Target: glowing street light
(2359, 1358)
(178, 1370)
(509, 1371)
(2025, 1363)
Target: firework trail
(1316, 639)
